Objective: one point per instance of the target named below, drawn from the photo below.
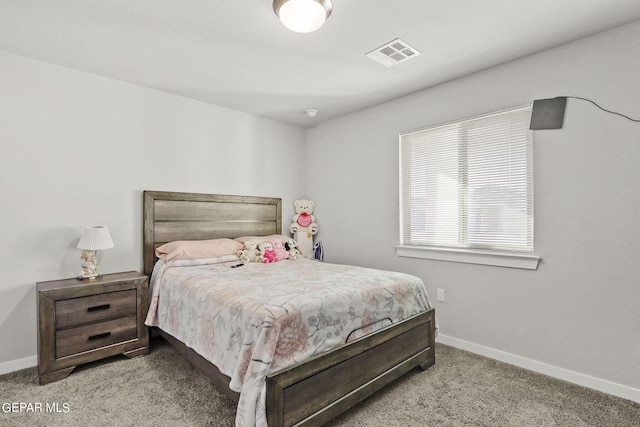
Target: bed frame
(312, 392)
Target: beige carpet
(162, 389)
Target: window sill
(511, 260)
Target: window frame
(457, 252)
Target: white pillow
(261, 239)
(195, 249)
(202, 261)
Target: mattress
(254, 319)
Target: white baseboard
(604, 386)
(18, 364)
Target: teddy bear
(304, 226)
(292, 247)
(303, 220)
(267, 254)
(250, 253)
(281, 252)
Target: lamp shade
(95, 238)
(302, 16)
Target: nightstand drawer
(95, 308)
(76, 340)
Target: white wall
(578, 314)
(77, 149)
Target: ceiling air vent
(393, 53)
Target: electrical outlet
(440, 294)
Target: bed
(306, 392)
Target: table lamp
(94, 238)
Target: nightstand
(81, 321)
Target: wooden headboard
(172, 216)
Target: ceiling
(236, 54)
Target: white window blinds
(469, 184)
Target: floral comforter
(256, 319)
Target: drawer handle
(99, 307)
(99, 336)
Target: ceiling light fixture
(302, 16)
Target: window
(469, 185)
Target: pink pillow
(195, 249)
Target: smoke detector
(392, 53)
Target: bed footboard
(317, 390)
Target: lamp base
(89, 264)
